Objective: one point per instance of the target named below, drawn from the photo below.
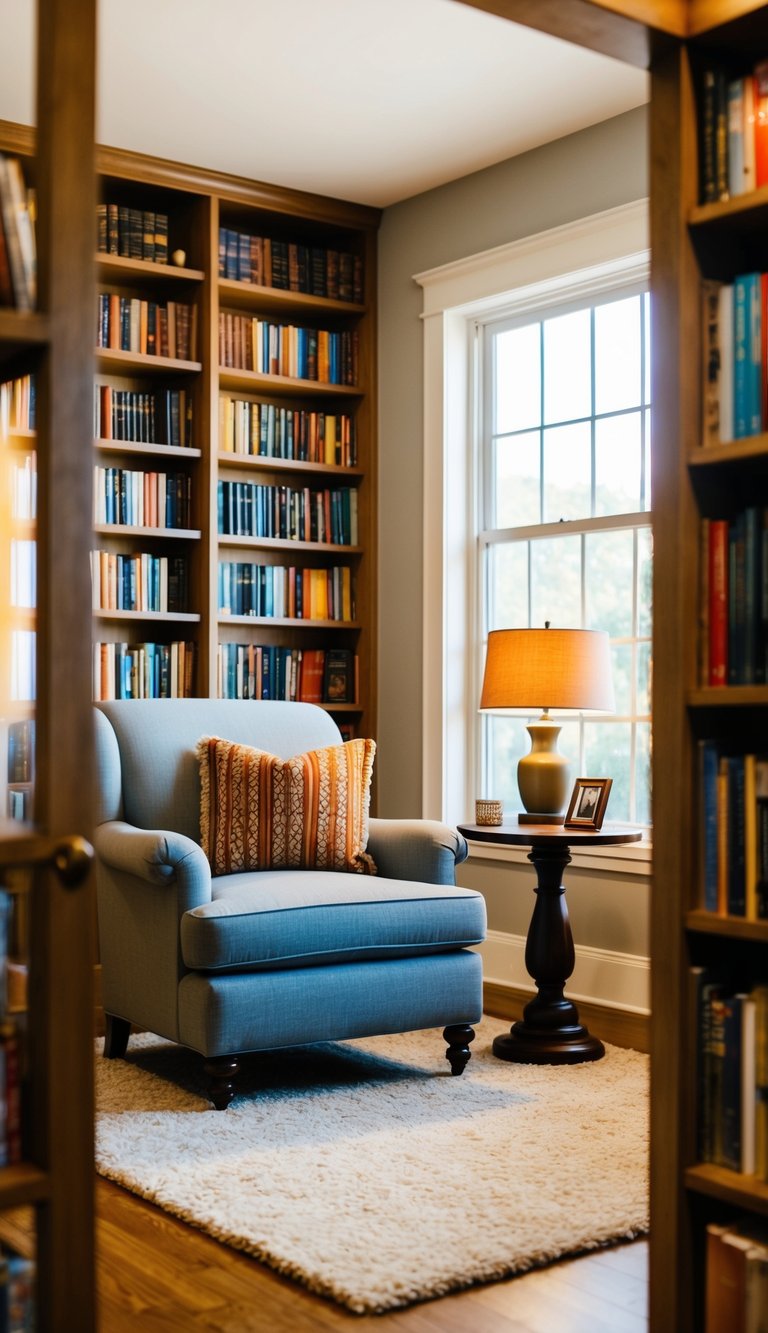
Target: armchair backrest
(147, 769)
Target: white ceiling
(368, 100)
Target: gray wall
(598, 168)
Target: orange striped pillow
(309, 812)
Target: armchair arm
(418, 849)
(157, 857)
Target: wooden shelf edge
(22, 1184)
(728, 696)
(720, 1183)
(123, 530)
(113, 358)
(731, 451)
(232, 378)
(188, 617)
(704, 215)
(251, 294)
(734, 927)
(141, 447)
(285, 544)
(141, 268)
(228, 458)
(264, 622)
(25, 328)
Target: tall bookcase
(259, 503)
(54, 342)
(693, 242)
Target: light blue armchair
(272, 958)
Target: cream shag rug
(365, 1171)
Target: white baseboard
(612, 980)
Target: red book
(761, 124)
(312, 666)
(718, 601)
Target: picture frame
(587, 805)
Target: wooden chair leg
(116, 1034)
(221, 1071)
(458, 1054)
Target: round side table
(549, 1031)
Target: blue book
(747, 419)
(737, 867)
(730, 1109)
(709, 759)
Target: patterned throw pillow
(308, 812)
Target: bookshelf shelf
(117, 269)
(286, 544)
(20, 332)
(23, 1184)
(729, 696)
(154, 450)
(251, 381)
(121, 530)
(121, 363)
(188, 617)
(723, 455)
(729, 927)
(284, 622)
(250, 296)
(262, 463)
(717, 1182)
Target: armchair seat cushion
(267, 920)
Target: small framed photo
(588, 802)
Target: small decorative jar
(489, 812)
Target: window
(563, 464)
(593, 262)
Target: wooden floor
(157, 1275)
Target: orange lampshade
(548, 669)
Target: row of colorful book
(133, 233)
(138, 582)
(18, 253)
(732, 1073)
(733, 599)
(265, 430)
(733, 832)
(734, 138)
(162, 416)
(285, 592)
(268, 671)
(147, 328)
(736, 1284)
(323, 356)
(134, 498)
(143, 670)
(735, 349)
(290, 265)
(251, 509)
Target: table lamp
(548, 669)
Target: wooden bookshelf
(690, 242)
(54, 342)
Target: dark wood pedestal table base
(549, 1032)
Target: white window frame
(578, 259)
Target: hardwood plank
(157, 1272)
